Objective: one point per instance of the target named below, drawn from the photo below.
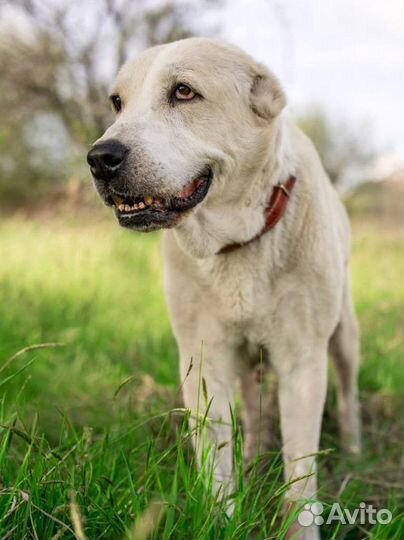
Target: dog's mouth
(150, 212)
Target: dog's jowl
(256, 246)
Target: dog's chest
(239, 291)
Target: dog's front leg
(302, 391)
(208, 379)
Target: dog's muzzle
(145, 212)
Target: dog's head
(189, 116)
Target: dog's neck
(219, 223)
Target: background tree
(57, 60)
(341, 147)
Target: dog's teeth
(127, 208)
(121, 207)
(117, 200)
(141, 206)
(148, 199)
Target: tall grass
(93, 436)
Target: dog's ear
(267, 97)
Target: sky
(345, 55)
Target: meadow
(93, 440)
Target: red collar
(273, 212)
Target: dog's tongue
(190, 188)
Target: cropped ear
(267, 97)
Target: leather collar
(273, 212)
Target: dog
(256, 245)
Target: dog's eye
(184, 93)
(116, 103)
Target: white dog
(258, 252)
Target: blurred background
(340, 62)
(83, 412)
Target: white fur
(287, 292)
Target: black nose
(105, 158)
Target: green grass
(92, 432)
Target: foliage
(341, 148)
